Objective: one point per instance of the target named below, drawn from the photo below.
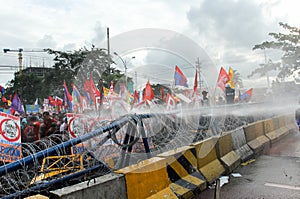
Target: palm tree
(238, 82)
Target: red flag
(162, 92)
(223, 78)
(148, 92)
(52, 102)
(4, 100)
(136, 97)
(87, 86)
(196, 81)
(58, 101)
(93, 87)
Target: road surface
(275, 175)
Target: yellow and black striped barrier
(182, 169)
(208, 163)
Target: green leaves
(289, 44)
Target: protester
(49, 125)
(230, 94)
(23, 124)
(31, 132)
(204, 100)
(64, 126)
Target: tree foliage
(237, 80)
(72, 67)
(289, 44)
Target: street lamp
(124, 64)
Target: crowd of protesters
(37, 126)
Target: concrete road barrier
(38, 196)
(282, 129)
(240, 145)
(256, 138)
(107, 186)
(224, 148)
(182, 169)
(208, 163)
(290, 123)
(148, 179)
(271, 129)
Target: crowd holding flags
(89, 95)
(227, 80)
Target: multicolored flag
(180, 78)
(76, 97)
(222, 79)
(67, 98)
(246, 96)
(2, 90)
(32, 108)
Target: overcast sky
(226, 30)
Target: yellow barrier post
(148, 179)
(208, 163)
(186, 179)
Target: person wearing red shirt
(48, 126)
(31, 132)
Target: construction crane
(20, 50)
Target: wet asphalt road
(274, 175)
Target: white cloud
(226, 30)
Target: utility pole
(108, 49)
(135, 75)
(20, 61)
(198, 66)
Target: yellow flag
(230, 82)
(8, 103)
(105, 90)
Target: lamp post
(125, 65)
